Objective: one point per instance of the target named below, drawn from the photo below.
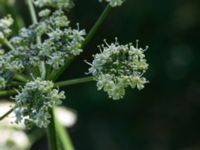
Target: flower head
(34, 101)
(119, 66)
(114, 3)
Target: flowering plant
(32, 61)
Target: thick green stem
(51, 131)
(74, 81)
(7, 113)
(63, 136)
(7, 93)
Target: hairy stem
(74, 81)
(51, 131)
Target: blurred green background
(163, 116)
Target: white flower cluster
(59, 42)
(114, 3)
(117, 67)
(5, 24)
(34, 102)
(63, 4)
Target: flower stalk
(74, 81)
(51, 132)
(32, 11)
(63, 136)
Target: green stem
(7, 113)
(51, 131)
(97, 25)
(43, 70)
(74, 81)
(63, 136)
(32, 11)
(7, 93)
(8, 44)
(21, 77)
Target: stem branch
(20, 77)
(8, 44)
(32, 11)
(63, 136)
(74, 81)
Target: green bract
(35, 100)
(114, 3)
(117, 67)
(63, 4)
